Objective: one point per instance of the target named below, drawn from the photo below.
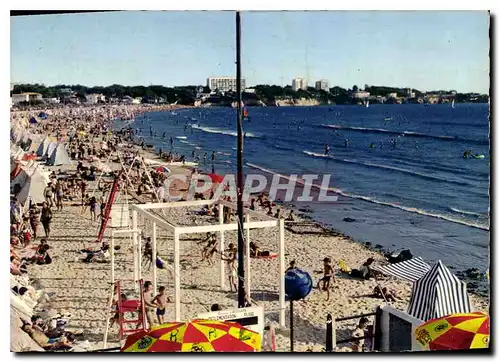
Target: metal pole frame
(239, 182)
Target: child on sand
(327, 276)
(161, 300)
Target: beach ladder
(127, 306)
(107, 209)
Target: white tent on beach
(59, 156)
(42, 148)
(23, 175)
(50, 148)
(33, 188)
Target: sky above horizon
(426, 50)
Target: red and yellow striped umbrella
(455, 332)
(195, 336)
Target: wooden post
(328, 342)
(134, 247)
(112, 258)
(221, 237)
(291, 325)
(334, 334)
(139, 255)
(153, 257)
(177, 277)
(281, 235)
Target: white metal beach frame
(143, 211)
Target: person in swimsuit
(231, 267)
(211, 241)
(161, 300)
(327, 276)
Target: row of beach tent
(26, 171)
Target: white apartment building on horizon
(322, 85)
(224, 84)
(299, 83)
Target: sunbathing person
(60, 344)
(94, 255)
(389, 295)
(364, 272)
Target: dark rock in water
(402, 256)
(378, 246)
(304, 216)
(306, 209)
(348, 219)
(472, 285)
(473, 273)
(368, 244)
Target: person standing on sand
(93, 206)
(83, 188)
(359, 331)
(231, 267)
(161, 301)
(148, 303)
(46, 218)
(327, 276)
(34, 220)
(48, 194)
(59, 195)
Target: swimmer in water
(372, 146)
(346, 142)
(327, 150)
(164, 134)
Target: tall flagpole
(239, 181)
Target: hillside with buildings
(221, 92)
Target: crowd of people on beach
(91, 145)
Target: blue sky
(422, 49)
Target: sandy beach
(83, 290)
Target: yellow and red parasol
(455, 332)
(195, 336)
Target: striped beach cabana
(437, 294)
(410, 270)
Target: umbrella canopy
(410, 270)
(216, 178)
(437, 294)
(195, 336)
(162, 169)
(455, 332)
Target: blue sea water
(421, 194)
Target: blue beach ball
(298, 284)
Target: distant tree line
(182, 95)
(267, 94)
